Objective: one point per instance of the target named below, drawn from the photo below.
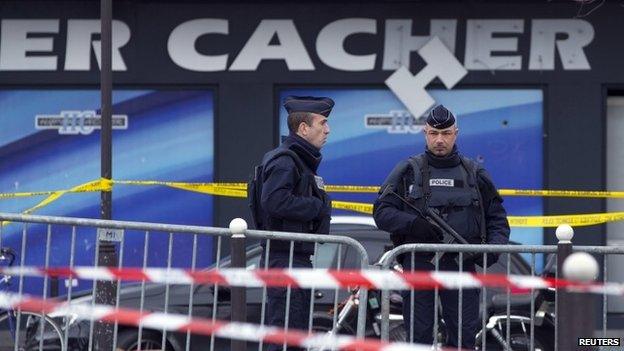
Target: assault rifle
(450, 236)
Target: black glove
(492, 258)
(426, 231)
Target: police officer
(294, 200)
(461, 191)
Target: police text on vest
(442, 182)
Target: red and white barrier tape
(318, 278)
(181, 323)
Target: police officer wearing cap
(461, 191)
(294, 200)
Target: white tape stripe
(528, 282)
(28, 271)
(385, 280)
(453, 280)
(314, 278)
(609, 289)
(161, 321)
(241, 277)
(319, 278)
(8, 300)
(168, 276)
(241, 331)
(93, 273)
(325, 341)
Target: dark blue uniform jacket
(291, 198)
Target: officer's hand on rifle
(426, 231)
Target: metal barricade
(143, 246)
(327, 239)
(509, 254)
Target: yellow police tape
(360, 207)
(563, 193)
(231, 189)
(239, 190)
(515, 221)
(502, 192)
(96, 185)
(579, 220)
(351, 189)
(225, 189)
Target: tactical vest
(302, 188)
(453, 192)
(306, 186)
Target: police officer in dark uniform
(294, 200)
(461, 191)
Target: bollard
(238, 295)
(563, 310)
(580, 266)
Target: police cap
(319, 105)
(440, 117)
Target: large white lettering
(480, 44)
(491, 44)
(80, 40)
(543, 40)
(181, 45)
(330, 44)
(258, 48)
(400, 43)
(15, 45)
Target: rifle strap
(472, 168)
(421, 164)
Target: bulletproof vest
(453, 192)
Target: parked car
(362, 229)
(495, 316)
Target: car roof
(363, 220)
(358, 227)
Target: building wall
(575, 92)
